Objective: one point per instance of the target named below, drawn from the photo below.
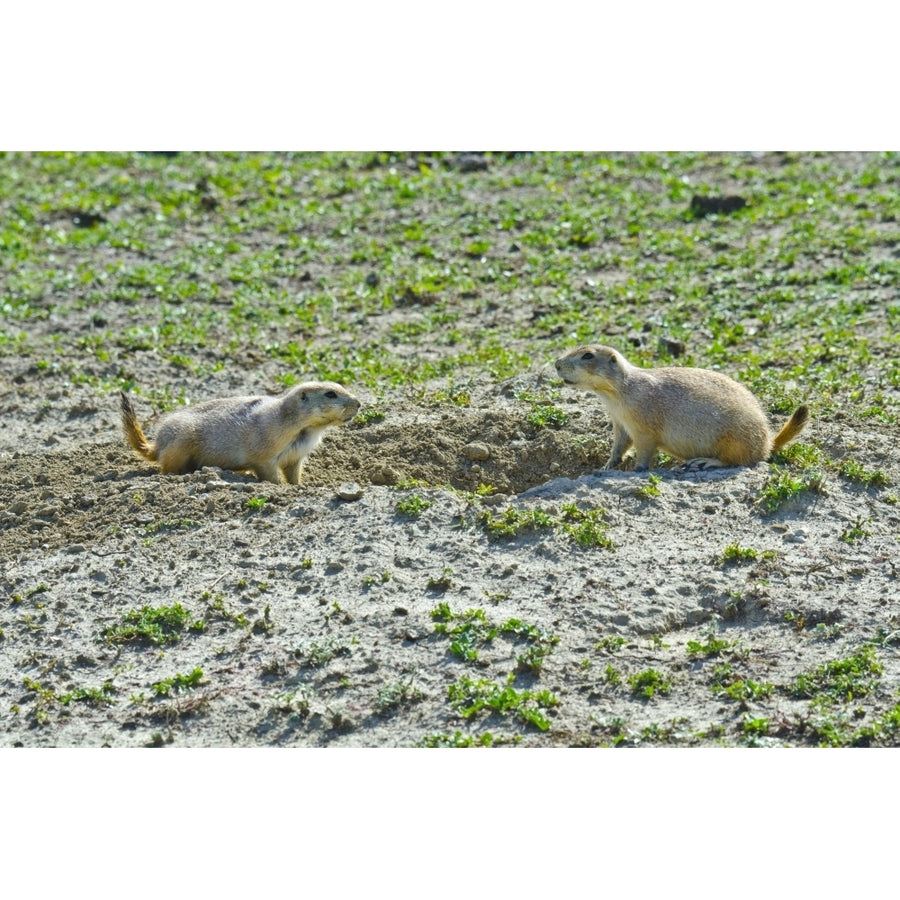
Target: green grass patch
(612, 643)
(543, 413)
(856, 472)
(153, 625)
(394, 695)
(178, 683)
(318, 653)
(513, 522)
(456, 740)
(168, 525)
(855, 532)
(471, 697)
(650, 490)
(712, 646)
(735, 553)
(586, 527)
(413, 506)
(649, 683)
(95, 696)
(782, 486)
(841, 680)
(471, 630)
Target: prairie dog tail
(133, 434)
(794, 425)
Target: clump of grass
(782, 485)
(457, 739)
(855, 532)
(454, 395)
(217, 604)
(712, 646)
(153, 625)
(755, 727)
(178, 683)
(295, 703)
(94, 696)
(44, 699)
(540, 642)
(735, 553)
(317, 653)
(370, 416)
(745, 690)
(886, 728)
(842, 679)
(263, 624)
(257, 503)
(728, 684)
(413, 506)
(612, 643)
(543, 413)
(546, 416)
(650, 489)
(586, 527)
(442, 582)
(470, 630)
(804, 455)
(469, 697)
(855, 471)
(513, 522)
(372, 580)
(396, 694)
(649, 683)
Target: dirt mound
(465, 449)
(77, 497)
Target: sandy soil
(319, 611)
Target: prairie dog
(268, 436)
(691, 414)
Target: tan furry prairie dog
(691, 414)
(269, 436)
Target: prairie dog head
(321, 403)
(593, 367)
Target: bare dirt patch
(319, 614)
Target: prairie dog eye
(331, 395)
(304, 396)
(587, 355)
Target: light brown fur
(268, 436)
(691, 414)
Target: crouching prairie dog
(691, 414)
(268, 436)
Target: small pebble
(350, 490)
(477, 450)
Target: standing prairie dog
(691, 414)
(269, 436)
